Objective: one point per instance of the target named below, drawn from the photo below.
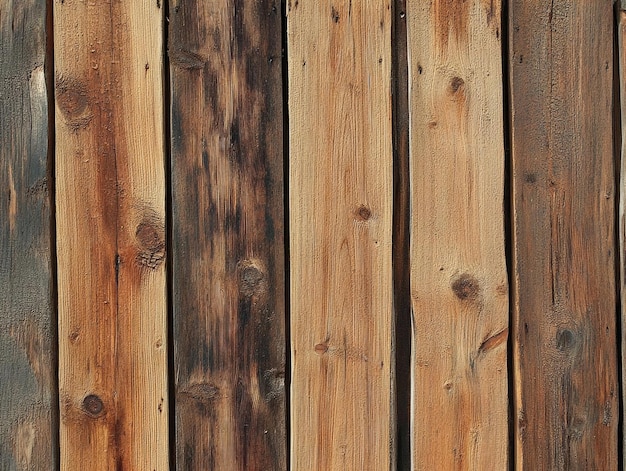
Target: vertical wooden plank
(228, 252)
(620, 126)
(458, 268)
(27, 384)
(566, 391)
(340, 195)
(110, 237)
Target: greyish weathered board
(28, 425)
(227, 244)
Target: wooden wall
(312, 235)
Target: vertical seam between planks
(286, 231)
(54, 297)
(116, 409)
(169, 267)
(507, 209)
(400, 237)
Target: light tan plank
(458, 273)
(111, 239)
(340, 234)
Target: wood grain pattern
(620, 129)
(340, 235)
(458, 272)
(28, 422)
(566, 389)
(228, 242)
(110, 235)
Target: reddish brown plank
(228, 254)
(564, 319)
(28, 421)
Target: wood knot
(200, 393)
(466, 287)
(457, 84)
(93, 405)
(362, 213)
(566, 340)
(150, 237)
(250, 278)
(321, 348)
(72, 100)
(185, 59)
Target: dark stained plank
(227, 241)
(110, 235)
(28, 421)
(459, 288)
(341, 210)
(564, 305)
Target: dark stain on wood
(227, 253)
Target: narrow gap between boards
(617, 149)
(51, 185)
(507, 210)
(400, 236)
(285, 91)
(167, 98)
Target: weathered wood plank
(228, 242)
(564, 321)
(340, 234)
(458, 268)
(110, 235)
(28, 422)
(620, 127)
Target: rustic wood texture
(564, 306)
(28, 427)
(340, 190)
(620, 141)
(458, 271)
(228, 242)
(110, 235)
